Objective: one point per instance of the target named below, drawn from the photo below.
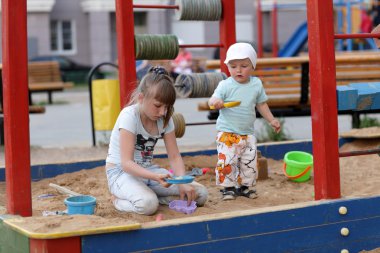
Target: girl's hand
(161, 179)
(217, 103)
(275, 124)
(188, 191)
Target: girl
(136, 184)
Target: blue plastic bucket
(83, 204)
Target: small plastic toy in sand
(181, 206)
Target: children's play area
(318, 195)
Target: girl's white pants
(142, 196)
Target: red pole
(274, 30)
(259, 15)
(126, 49)
(199, 45)
(58, 245)
(375, 151)
(16, 107)
(357, 35)
(154, 6)
(227, 31)
(323, 99)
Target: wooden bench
(32, 108)
(286, 80)
(45, 77)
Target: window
(140, 20)
(62, 36)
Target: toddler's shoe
(228, 193)
(246, 192)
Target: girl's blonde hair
(157, 84)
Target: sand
(360, 176)
(363, 133)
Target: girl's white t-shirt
(129, 119)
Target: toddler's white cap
(240, 51)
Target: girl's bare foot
(113, 199)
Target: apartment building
(85, 31)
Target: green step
(10, 240)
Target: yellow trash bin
(105, 103)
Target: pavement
(67, 123)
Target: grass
(368, 122)
(270, 135)
(80, 85)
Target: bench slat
(50, 86)
(284, 92)
(271, 72)
(280, 78)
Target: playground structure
(324, 226)
(347, 21)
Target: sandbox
(284, 209)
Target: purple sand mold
(181, 206)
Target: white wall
(191, 32)
(244, 28)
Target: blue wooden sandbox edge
(273, 150)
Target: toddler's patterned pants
(237, 160)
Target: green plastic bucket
(298, 166)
